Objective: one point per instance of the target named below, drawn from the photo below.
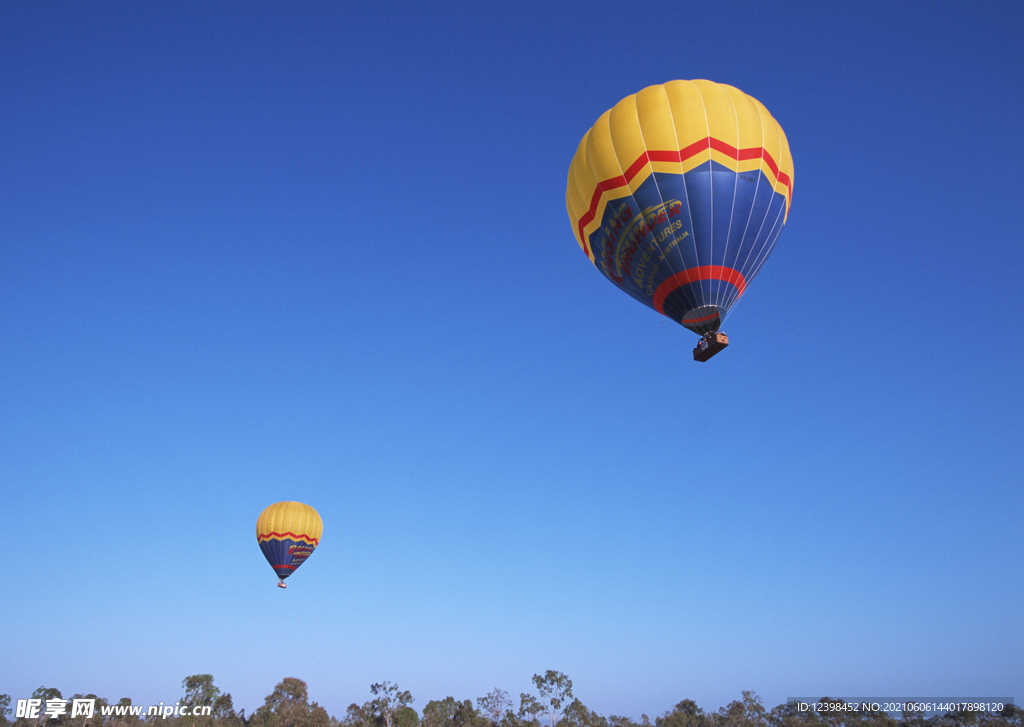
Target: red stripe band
(703, 272)
(705, 319)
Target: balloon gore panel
(670, 248)
(285, 555)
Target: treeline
(552, 705)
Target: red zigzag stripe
(293, 536)
(677, 156)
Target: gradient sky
(253, 252)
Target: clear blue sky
(253, 252)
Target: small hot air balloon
(288, 532)
(677, 195)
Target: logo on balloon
(623, 233)
(300, 551)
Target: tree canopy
(553, 705)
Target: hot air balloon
(288, 532)
(677, 195)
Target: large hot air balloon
(678, 194)
(288, 532)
